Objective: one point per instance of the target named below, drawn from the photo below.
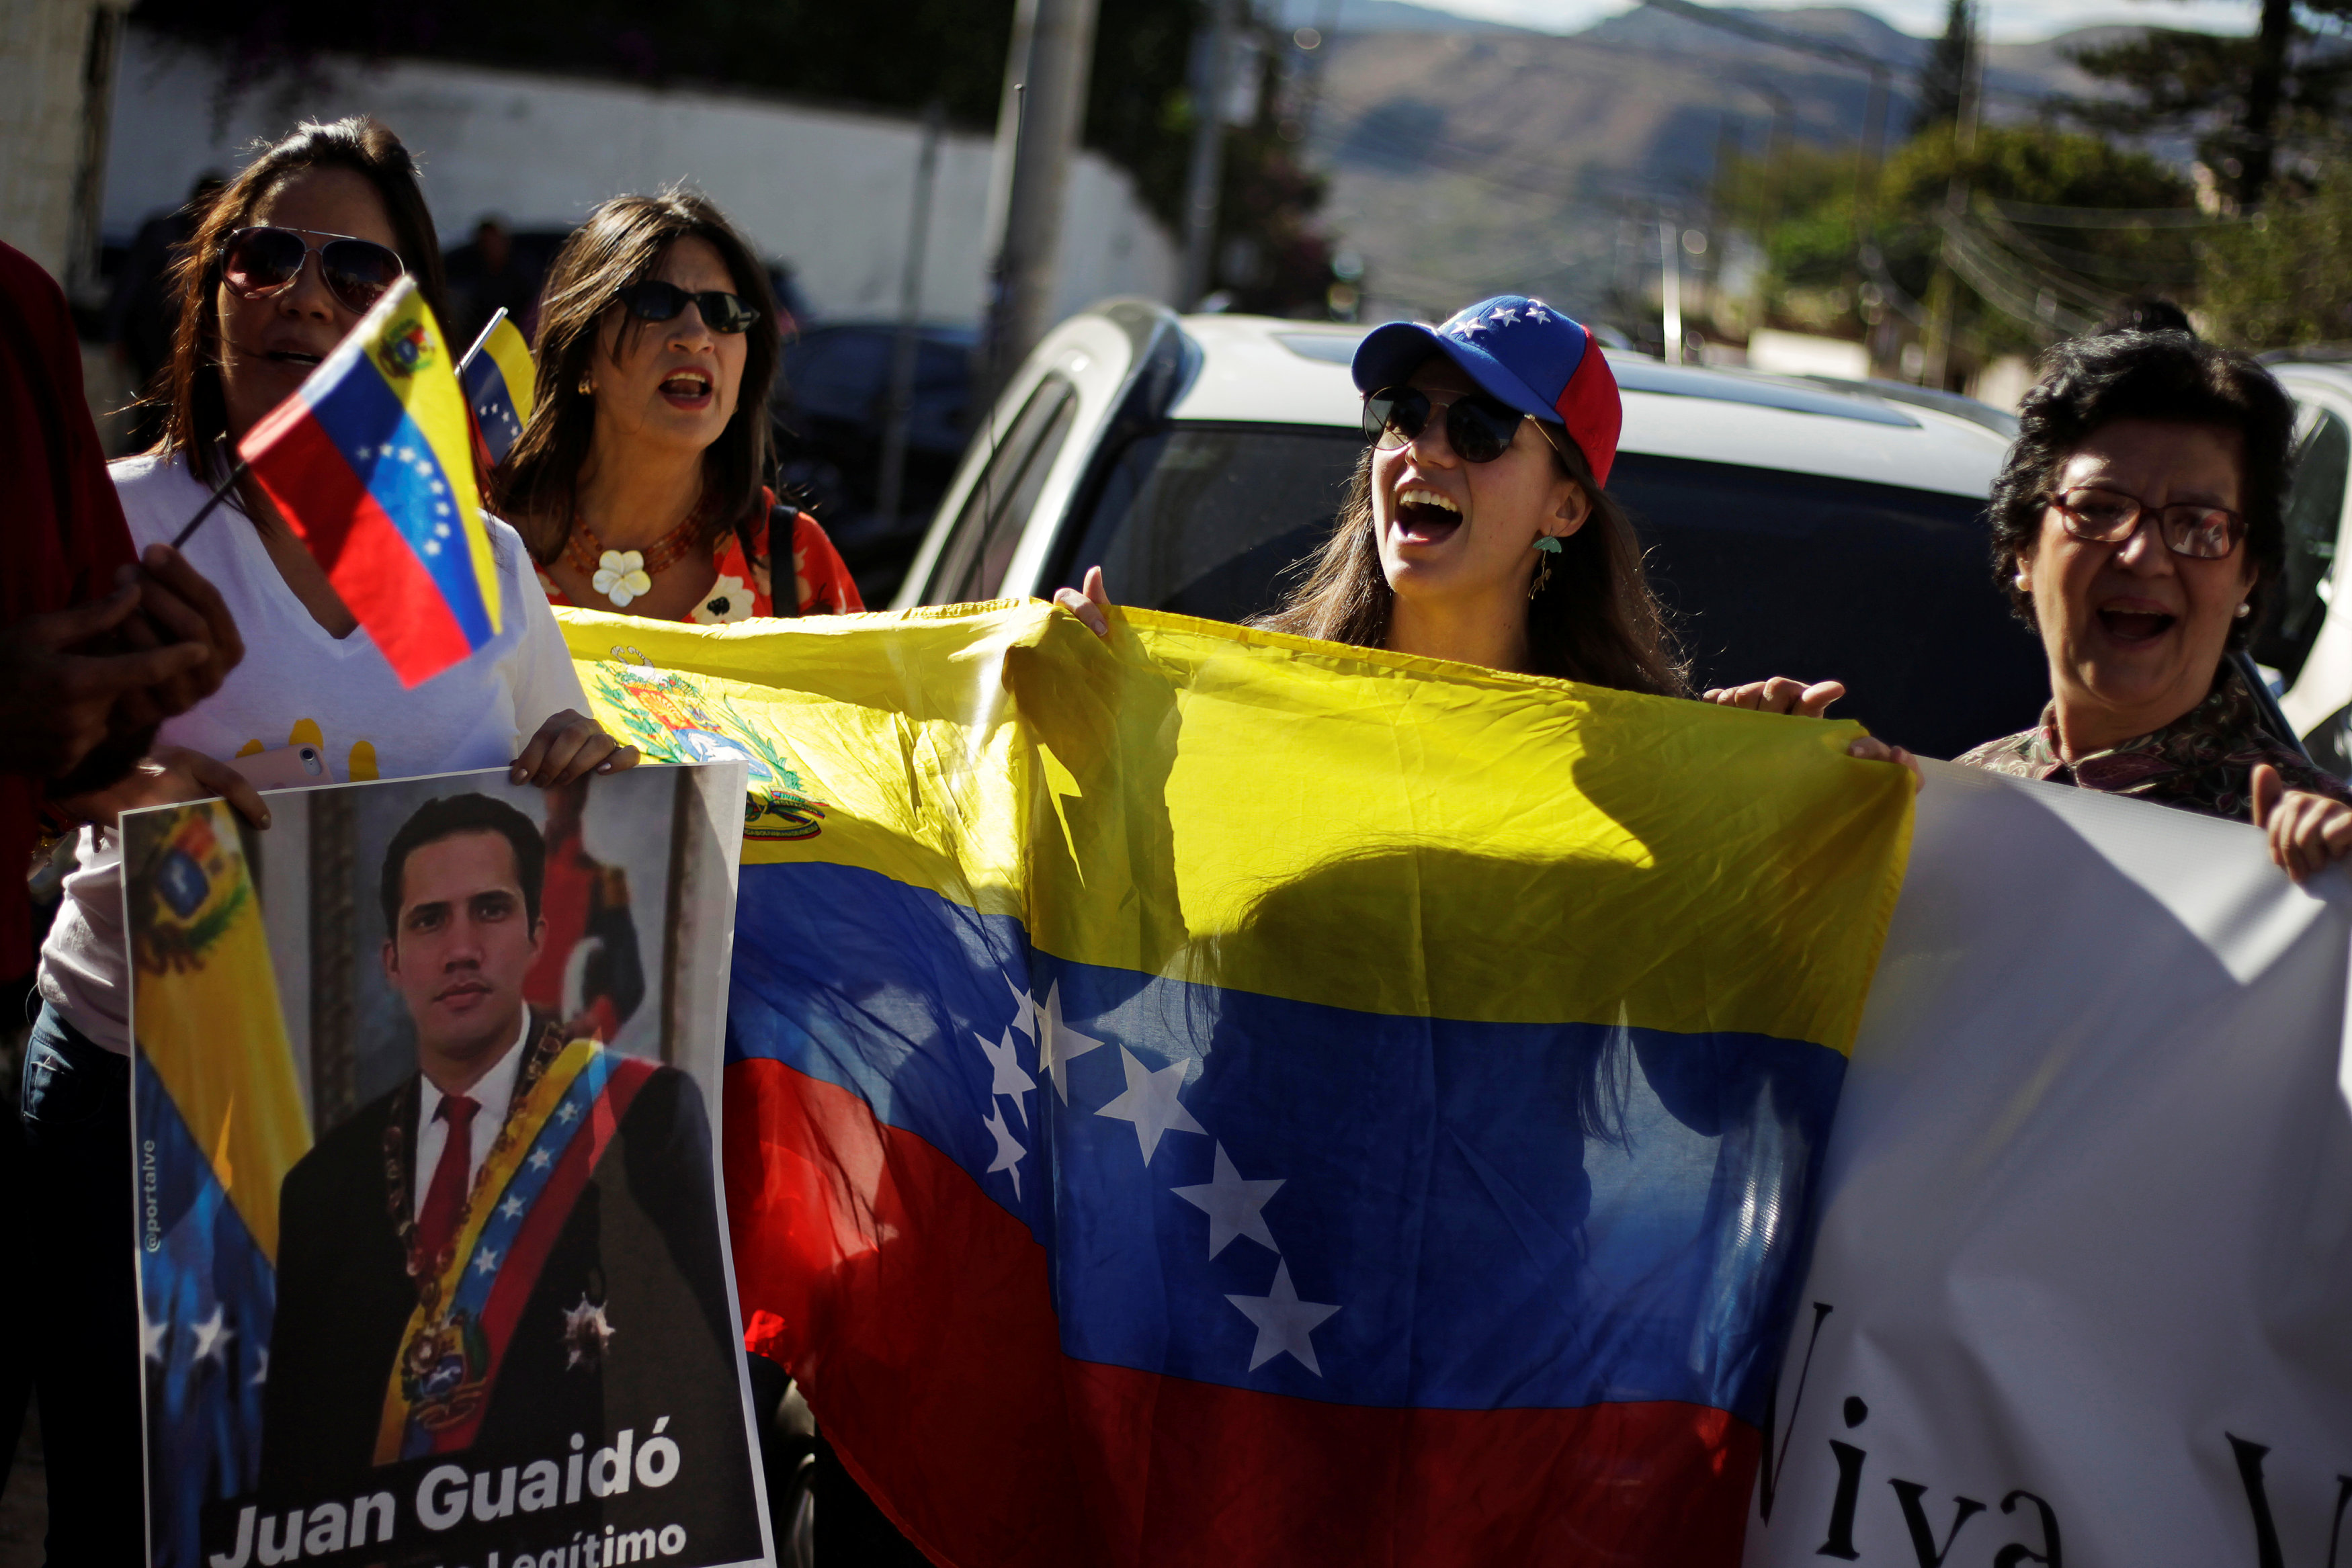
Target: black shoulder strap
(784, 582)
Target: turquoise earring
(1547, 547)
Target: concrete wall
(828, 190)
(44, 48)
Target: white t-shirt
(297, 684)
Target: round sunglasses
(2100, 515)
(654, 300)
(259, 262)
(1479, 428)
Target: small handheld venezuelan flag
(497, 373)
(370, 461)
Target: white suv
(1794, 528)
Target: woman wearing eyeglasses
(641, 479)
(1478, 527)
(2137, 526)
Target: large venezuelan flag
(371, 462)
(1221, 1098)
(212, 1150)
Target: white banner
(2082, 1288)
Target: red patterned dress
(822, 585)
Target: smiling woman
(2137, 525)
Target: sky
(2009, 21)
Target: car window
(2314, 509)
(988, 528)
(1202, 520)
(1886, 588)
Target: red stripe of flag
(918, 1313)
(372, 567)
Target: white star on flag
(1232, 1204)
(537, 1160)
(512, 1208)
(566, 1111)
(1024, 1017)
(1008, 1152)
(261, 1375)
(1150, 1102)
(1058, 1045)
(151, 1339)
(1005, 1075)
(486, 1262)
(1283, 1321)
(213, 1336)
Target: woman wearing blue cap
(1479, 527)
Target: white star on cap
(1232, 1204)
(1008, 1150)
(1058, 1045)
(1150, 1102)
(1537, 313)
(1504, 313)
(1284, 1323)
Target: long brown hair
(190, 388)
(1596, 620)
(624, 241)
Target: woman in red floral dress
(639, 481)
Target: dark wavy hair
(2173, 376)
(1597, 621)
(196, 414)
(447, 817)
(624, 241)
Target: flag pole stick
(220, 494)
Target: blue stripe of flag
(1507, 1216)
(492, 401)
(401, 470)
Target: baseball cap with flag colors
(1520, 352)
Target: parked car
(2305, 639)
(1793, 528)
(831, 408)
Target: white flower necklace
(627, 575)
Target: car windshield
(1765, 572)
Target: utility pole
(1210, 88)
(1946, 285)
(1038, 128)
(1670, 287)
(910, 322)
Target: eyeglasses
(2100, 515)
(654, 300)
(257, 263)
(1479, 428)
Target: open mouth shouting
(687, 389)
(1425, 517)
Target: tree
(2279, 280)
(2243, 99)
(1944, 75)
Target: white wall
(828, 190)
(43, 46)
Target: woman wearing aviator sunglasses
(641, 481)
(1478, 529)
(2137, 525)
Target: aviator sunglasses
(654, 300)
(1477, 428)
(259, 262)
(2100, 515)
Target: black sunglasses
(654, 300)
(259, 262)
(1479, 428)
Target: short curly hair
(2089, 383)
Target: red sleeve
(823, 580)
(61, 531)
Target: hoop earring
(586, 387)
